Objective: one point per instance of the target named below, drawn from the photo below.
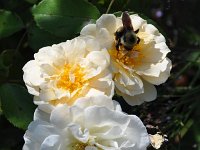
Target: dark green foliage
(5, 62)
(38, 38)
(52, 15)
(9, 23)
(17, 105)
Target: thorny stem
(112, 1)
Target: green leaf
(6, 58)
(38, 38)
(17, 104)
(9, 23)
(64, 18)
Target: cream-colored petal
(149, 28)
(75, 49)
(105, 121)
(43, 55)
(103, 82)
(163, 48)
(95, 63)
(89, 29)
(33, 89)
(105, 39)
(117, 106)
(32, 73)
(149, 94)
(154, 70)
(127, 83)
(107, 21)
(39, 130)
(101, 100)
(164, 74)
(29, 143)
(41, 115)
(53, 55)
(118, 23)
(93, 91)
(80, 134)
(102, 36)
(38, 101)
(137, 21)
(47, 95)
(52, 142)
(60, 116)
(148, 69)
(45, 108)
(60, 93)
(139, 136)
(92, 44)
(98, 59)
(151, 53)
(48, 70)
(159, 38)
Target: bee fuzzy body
(125, 35)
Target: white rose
(94, 123)
(135, 72)
(63, 72)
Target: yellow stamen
(129, 58)
(71, 78)
(82, 146)
(79, 146)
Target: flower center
(71, 78)
(79, 146)
(130, 58)
(82, 146)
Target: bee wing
(126, 20)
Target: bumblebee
(126, 36)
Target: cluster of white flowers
(73, 84)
